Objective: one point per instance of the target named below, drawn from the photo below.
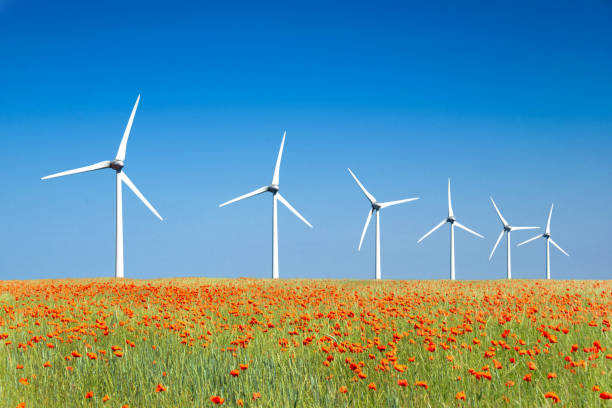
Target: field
(305, 343)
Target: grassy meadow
(305, 343)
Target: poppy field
(305, 343)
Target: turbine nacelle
(451, 219)
(116, 165)
(376, 206)
(507, 228)
(273, 188)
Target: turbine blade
(522, 228)
(501, 218)
(247, 195)
(450, 205)
(558, 247)
(276, 177)
(548, 222)
(531, 239)
(293, 210)
(432, 230)
(97, 166)
(463, 227)
(501, 234)
(365, 228)
(132, 187)
(390, 203)
(126, 133)
(367, 194)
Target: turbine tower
(121, 177)
(453, 222)
(376, 207)
(507, 230)
(276, 196)
(549, 241)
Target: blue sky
(509, 100)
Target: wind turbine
(116, 165)
(376, 207)
(453, 222)
(276, 196)
(549, 241)
(507, 230)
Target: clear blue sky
(513, 100)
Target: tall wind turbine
(507, 230)
(453, 222)
(116, 165)
(276, 196)
(549, 241)
(376, 207)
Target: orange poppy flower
(460, 395)
(402, 383)
(215, 399)
(552, 396)
(372, 386)
(89, 395)
(256, 396)
(160, 388)
(343, 389)
(421, 384)
(105, 398)
(235, 373)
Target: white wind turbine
(116, 165)
(549, 241)
(273, 188)
(451, 219)
(376, 207)
(507, 230)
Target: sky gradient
(508, 100)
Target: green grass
(209, 314)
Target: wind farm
(308, 255)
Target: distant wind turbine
(273, 188)
(549, 241)
(376, 207)
(507, 230)
(116, 165)
(451, 219)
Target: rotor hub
(450, 219)
(273, 188)
(116, 165)
(376, 206)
